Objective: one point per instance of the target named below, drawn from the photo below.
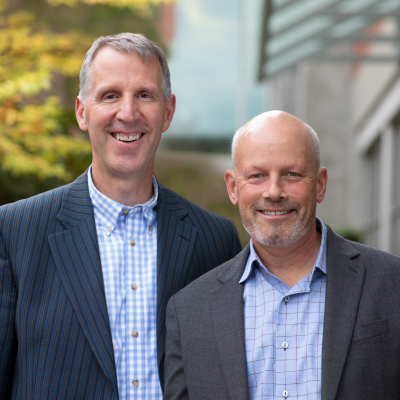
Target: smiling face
(276, 183)
(125, 114)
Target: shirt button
(132, 242)
(125, 212)
(150, 227)
(135, 333)
(135, 383)
(285, 345)
(109, 229)
(285, 393)
(287, 299)
(133, 286)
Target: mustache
(283, 205)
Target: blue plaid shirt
(283, 330)
(128, 251)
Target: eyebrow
(114, 88)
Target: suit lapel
(228, 320)
(175, 241)
(345, 277)
(76, 255)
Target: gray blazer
(205, 348)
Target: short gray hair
(310, 131)
(130, 43)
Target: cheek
(301, 192)
(99, 116)
(249, 194)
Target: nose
(274, 188)
(127, 109)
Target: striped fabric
(55, 337)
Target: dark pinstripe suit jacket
(55, 338)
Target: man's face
(125, 114)
(276, 183)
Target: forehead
(275, 144)
(109, 62)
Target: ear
(322, 179)
(79, 112)
(169, 112)
(231, 186)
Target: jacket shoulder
(230, 270)
(33, 208)
(369, 257)
(375, 255)
(39, 199)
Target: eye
(293, 174)
(255, 176)
(110, 97)
(144, 96)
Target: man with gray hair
(86, 270)
(301, 313)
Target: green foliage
(31, 138)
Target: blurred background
(332, 63)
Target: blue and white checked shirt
(128, 251)
(283, 330)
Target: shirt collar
(320, 262)
(107, 211)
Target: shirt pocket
(370, 329)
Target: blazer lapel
(345, 277)
(175, 241)
(228, 319)
(76, 254)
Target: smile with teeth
(275, 212)
(127, 138)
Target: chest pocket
(371, 329)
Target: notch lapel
(77, 258)
(344, 282)
(175, 241)
(228, 319)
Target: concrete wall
(320, 94)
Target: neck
(126, 191)
(291, 263)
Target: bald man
(300, 313)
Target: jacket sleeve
(175, 385)
(8, 342)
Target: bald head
(277, 122)
(277, 181)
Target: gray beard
(277, 239)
